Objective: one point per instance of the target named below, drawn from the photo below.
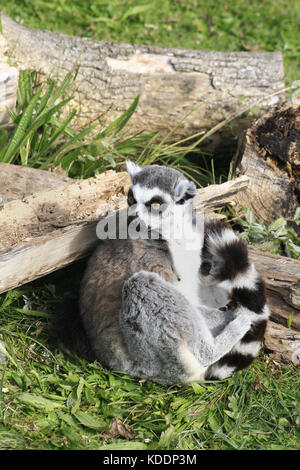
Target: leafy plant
(279, 237)
(43, 139)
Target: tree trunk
(172, 83)
(269, 153)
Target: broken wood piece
(46, 253)
(269, 153)
(67, 204)
(174, 85)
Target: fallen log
(202, 86)
(62, 221)
(282, 279)
(269, 153)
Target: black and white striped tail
(233, 269)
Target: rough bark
(19, 182)
(8, 85)
(172, 83)
(269, 153)
(283, 343)
(43, 212)
(282, 278)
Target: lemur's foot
(224, 255)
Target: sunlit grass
(53, 401)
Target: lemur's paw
(145, 277)
(141, 281)
(224, 255)
(241, 324)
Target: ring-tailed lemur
(155, 325)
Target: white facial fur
(172, 221)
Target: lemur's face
(159, 196)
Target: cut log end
(269, 153)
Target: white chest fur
(186, 259)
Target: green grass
(53, 401)
(231, 25)
(49, 400)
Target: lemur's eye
(130, 198)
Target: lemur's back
(110, 265)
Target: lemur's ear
(132, 169)
(184, 191)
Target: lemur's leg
(226, 265)
(167, 338)
(156, 327)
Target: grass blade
(58, 133)
(45, 98)
(120, 122)
(61, 89)
(20, 132)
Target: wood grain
(200, 86)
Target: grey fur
(158, 323)
(155, 176)
(112, 263)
